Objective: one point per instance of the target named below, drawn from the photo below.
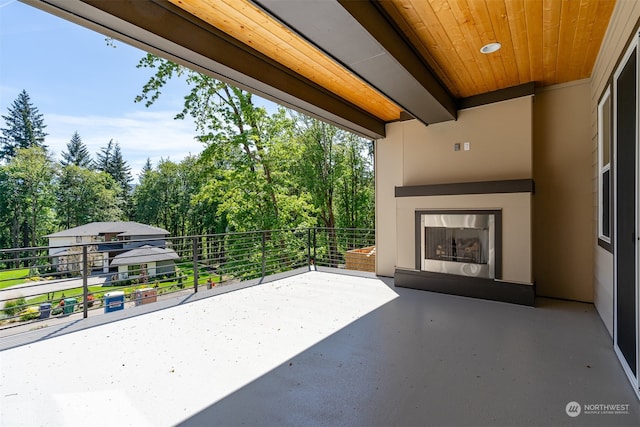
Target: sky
(80, 83)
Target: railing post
(315, 256)
(309, 248)
(264, 253)
(195, 265)
(85, 281)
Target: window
(604, 168)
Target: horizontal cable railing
(85, 278)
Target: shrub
(29, 313)
(14, 306)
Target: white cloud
(141, 135)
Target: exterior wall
(500, 138)
(414, 154)
(151, 269)
(563, 238)
(61, 244)
(388, 170)
(623, 23)
(123, 272)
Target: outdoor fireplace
(459, 242)
(480, 252)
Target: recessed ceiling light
(490, 48)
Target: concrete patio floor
(321, 349)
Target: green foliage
(259, 170)
(355, 187)
(14, 306)
(25, 127)
(34, 273)
(110, 161)
(26, 187)
(77, 154)
(84, 196)
(29, 313)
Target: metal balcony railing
(42, 283)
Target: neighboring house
(110, 238)
(146, 261)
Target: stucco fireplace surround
(460, 233)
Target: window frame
(605, 240)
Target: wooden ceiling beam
(357, 35)
(434, 104)
(159, 27)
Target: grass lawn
(13, 277)
(10, 278)
(97, 291)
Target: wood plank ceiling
(546, 42)
(543, 41)
(250, 25)
(362, 63)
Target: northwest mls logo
(573, 409)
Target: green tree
(111, 161)
(245, 145)
(27, 189)
(103, 158)
(148, 167)
(120, 170)
(25, 127)
(204, 213)
(85, 196)
(77, 153)
(145, 203)
(355, 187)
(166, 197)
(319, 167)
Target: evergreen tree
(103, 159)
(146, 169)
(110, 160)
(25, 127)
(120, 170)
(77, 153)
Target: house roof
(143, 255)
(128, 228)
(362, 64)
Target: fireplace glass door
(458, 243)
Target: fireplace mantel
(462, 188)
